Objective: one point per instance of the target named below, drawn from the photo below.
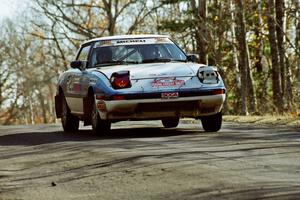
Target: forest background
(254, 43)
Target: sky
(10, 8)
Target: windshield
(135, 54)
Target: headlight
(208, 75)
(120, 80)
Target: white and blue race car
(137, 77)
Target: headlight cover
(208, 75)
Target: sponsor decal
(130, 41)
(93, 81)
(169, 95)
(160, 74)
(167, 82)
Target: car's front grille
(168, 106)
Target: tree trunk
(297, 40)
(289, 89)
(43, 107)
(279, 7)
(251, 91)
(261, 89)
(243, 54)
(111, 19)
(237, 74)
(276, 85)
(288, 71)
(219, 47)
(257, 30)
(201, 31)
(250, 86)
(31, 111)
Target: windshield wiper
(157, 60)
(162, 60)
(115, 62)
(178, 60)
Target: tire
(212, 123)
(70, 123)
(170, 122)
(99, 126)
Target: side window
(84, 52)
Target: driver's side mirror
(77, 64)
(192, 58)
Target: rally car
(137, 77)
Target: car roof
(117, 37)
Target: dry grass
(265, 120)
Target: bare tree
(8, 97)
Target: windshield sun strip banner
(133, 41)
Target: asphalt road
(142, 160)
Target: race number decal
(169, 95)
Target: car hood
(154, 70)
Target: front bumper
(157, 108)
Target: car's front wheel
(99, 126)
(70, 123)
(212, 123)
(170, 122)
